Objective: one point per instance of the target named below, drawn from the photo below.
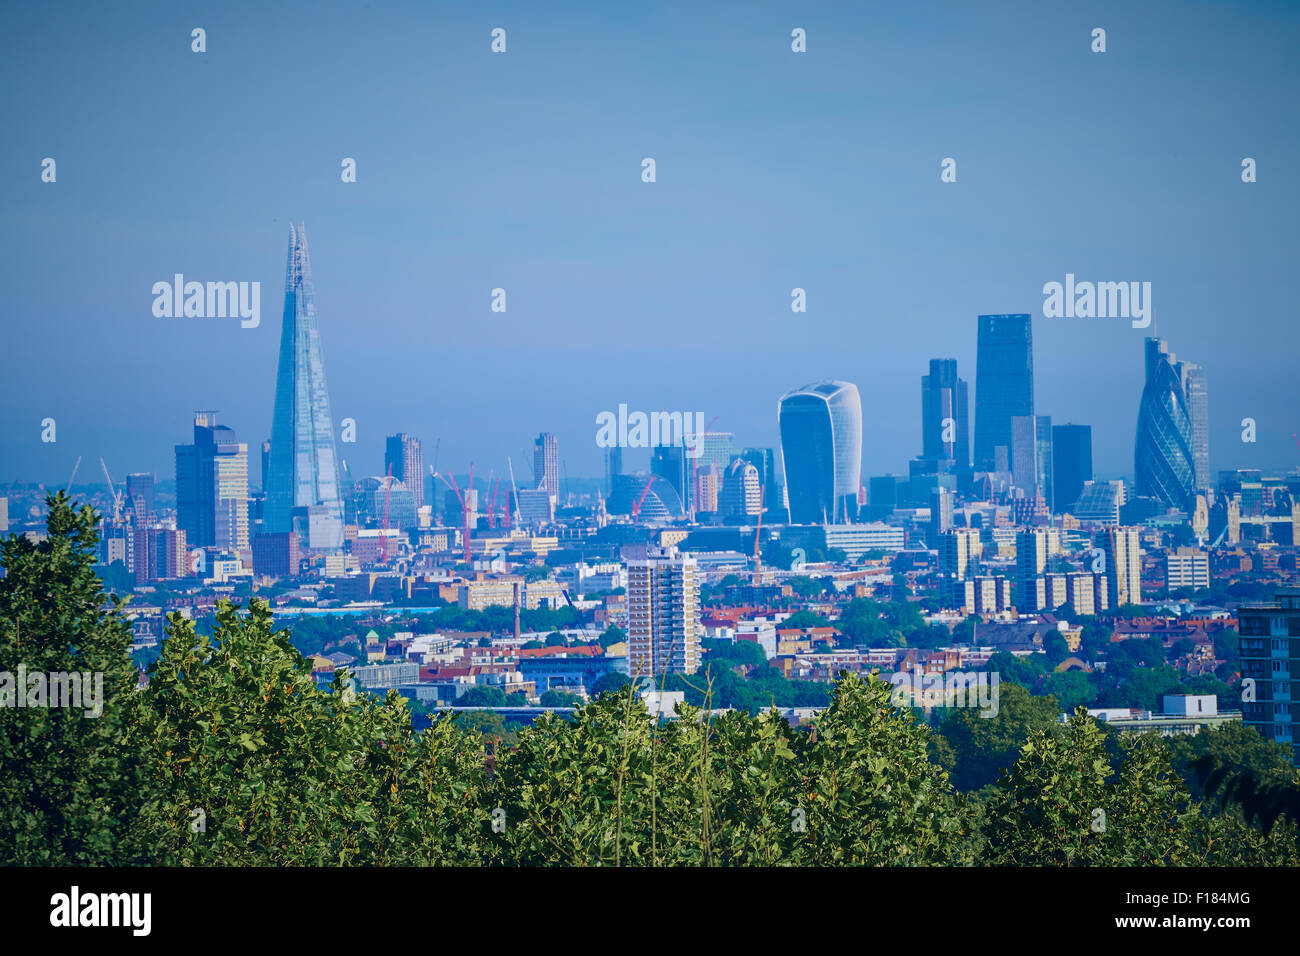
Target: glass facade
(1163, 464)
(304, 468)
(1004, 383)
(1071, 464)
(821, 451)
(943, 396)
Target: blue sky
(523, 171)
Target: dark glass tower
(1004, 383)
(943, 397)
(303, 486)
(821, 451)
(1164, 466)
(1071, 463)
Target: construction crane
(450, 482)
(117, 496)
(73, 476)
(383, 537)
(492, 500)
(565, 465)
(515, 489)
(636, 508)
(758, 557)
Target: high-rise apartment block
(1123, 550)
(663, 610)
(1270, 660)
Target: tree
(610, 636)
(801, 619)
(614, 681)
(871, 795)
(68, 788)
(1058, 807)
(559, 698)
(556, 639)
(482, 695)
(984, 746)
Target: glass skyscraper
(303, 487)
(821, 451)
(1004, 383)
(1071, 464)
(1163, 462)
(943, 398)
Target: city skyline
(521, 190)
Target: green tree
(983, 747)
(68, 787)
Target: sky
(523, 171)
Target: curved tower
(303, 488)
(1164, 465)
(821, 451)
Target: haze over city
(523, 172)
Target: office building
(1071, 464)
(1004, 384)
(945, 422)
(304, 489)
(212, 487)
(404, 460)
(276, 555)
(1187, 567)
(821, 451)
(1163, 462)
(664, 629)
(741, 491)
(546, 464)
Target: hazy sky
(523, 171)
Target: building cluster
(1000, 518)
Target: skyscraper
(945, 425)
(403, 453)
(821, 451)
(1198, 407)
(613, 467)
(672, 464)
(1071, 463)
(1163, 462)
(741, 490)
(546, 464)
(212, 487)
(1031, 455)
(303, 490)
(1004, 383)
(663, 626)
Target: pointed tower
(303, 488)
